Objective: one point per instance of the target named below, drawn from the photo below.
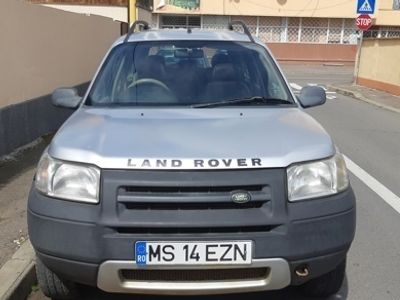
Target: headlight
(317, 179)
(68, 181)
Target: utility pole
(132, 11)
(358, 57)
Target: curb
(17, 276)
(359, 96)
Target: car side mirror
(311, 96)
(66, 97)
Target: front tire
(53, 286)
(327, 284)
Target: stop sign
(364, 22)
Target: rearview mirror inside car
(311, 96)
(66, 97)
(189, 53)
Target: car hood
(124, 138)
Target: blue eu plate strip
(140, 253)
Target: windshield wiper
(252, 100)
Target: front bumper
(74, 241)
(276, 277)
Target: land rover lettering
(198, 163)
(214, 163)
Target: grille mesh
(195, 275)
(190, 197)
(190, 189)
(193, 206)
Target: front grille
(190, 197)
(189, 189)
(193, 202)
(195, 275)
(193, 206)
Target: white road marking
(316, 84)
(387, 195)
(296, 86)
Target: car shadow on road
(290, 293)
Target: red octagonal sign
(364, 22)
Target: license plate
(193, 253)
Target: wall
(83, 2)
(42, 49)
(314, 53)
(379, 65)
(385, 15)
(145, 15)
(284, 8)
(117, 13)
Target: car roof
(184, 34)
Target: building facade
(295, 30)
(312, 30)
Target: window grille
(216, 22)
(176, 21)
(281, 29)
(383, 32)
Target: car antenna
(244, 26)
(140, 24)
(189, 30)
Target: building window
(293, 30)
(216, 22)
(314, 30)
(382, 32)
(396, 4)
(279, 29)
(251, 22)
(271, 29)
(335, 31)
(175, 21)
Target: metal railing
(383, 33)
(299, 34)
(280, 30)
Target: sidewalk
(16, 253)
(375, 97)
(16, 174)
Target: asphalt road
(370, 137)
(309, 74)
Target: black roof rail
(245, 28)
(131, 30)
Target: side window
(124, 80)
(109, 79)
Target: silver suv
(188, 168)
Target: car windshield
(188, 73)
